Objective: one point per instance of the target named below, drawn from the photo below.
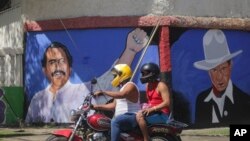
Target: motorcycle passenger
(158, 97)
(126, 102)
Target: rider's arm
(109, 106)
(127, 92)
(163, 90)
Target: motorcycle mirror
(93, 81)
(72, 112)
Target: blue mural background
(188, 81)
(93, 50)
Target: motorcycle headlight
(72, 112)
(74, 115)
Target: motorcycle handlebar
(86, 105)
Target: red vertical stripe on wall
(164, 49)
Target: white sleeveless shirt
(125, 106)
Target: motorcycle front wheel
(56, 138)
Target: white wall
(54, 9)
(211, 8)
(48, 9)
(11, 46)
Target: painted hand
(137, 40)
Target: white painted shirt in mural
(43, 108)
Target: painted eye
(52, 62)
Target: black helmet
(149, 72)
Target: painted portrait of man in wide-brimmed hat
(223, 103)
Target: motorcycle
(96, 127)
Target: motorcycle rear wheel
(165, 138)
(56, 138)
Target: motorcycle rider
(158, 97)
(126, 102)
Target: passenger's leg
(143, 125)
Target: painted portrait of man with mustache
(60, 94)
(57, 65)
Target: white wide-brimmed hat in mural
(216, 50)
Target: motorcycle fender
(66, 133)
(63, 132)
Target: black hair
(57, 45)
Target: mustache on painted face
(60, 72)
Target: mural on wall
(60, 65)
(210, 74)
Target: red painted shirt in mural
(154, 98)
